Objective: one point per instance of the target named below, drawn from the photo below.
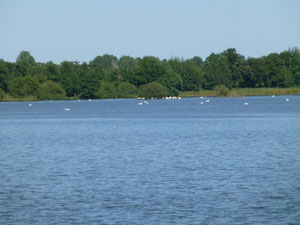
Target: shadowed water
(168, 162)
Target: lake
(165, 162)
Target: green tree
(297, 78)
(216, 71)
(272, 65)
(239, 68)
(171, 80)
(69, 77)
(23, 86)
(127, 63)
(198, 61)
(4, 75)
(51, 71)
(191, 74)
(89, 84)
(113, 75)
(283, 78)
(50, 91)
(259, 74)
(24, 63)
(148, 69)
(106, 62)
(38, 71)
(291, 61)
(153, 90)
(127, 90)
(106, 90)
(2, 94)
(176, 64)
(127, 66)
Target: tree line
(107, 76)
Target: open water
(166, 162)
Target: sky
(74, 30)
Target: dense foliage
(110, 77)
(153, 90)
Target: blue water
(168, 162)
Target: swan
(246, 103)
(287, 99)
(67, 109)
(29, 104)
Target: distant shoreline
(240, 92)
(243, 92)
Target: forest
(108, 76)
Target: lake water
(166, 162)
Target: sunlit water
(168, 162)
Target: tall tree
(148, 69)
(106, 62)
(127, 63)
(69, 77)
(4, 75)
(216, 71)
(24, 63)
(240, 70)
(171, 80)
(198, 61)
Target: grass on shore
(8, 98)
(241, 92)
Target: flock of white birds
(144, 102)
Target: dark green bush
(127, 90)
(50, 91)
(153, 90)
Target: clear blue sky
(61, 30)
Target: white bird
(67, 109)
(146, 102)
(207, 100)
(29, 104)
(90, 100)
(140, 103)
(79, 100)
(179, 97)
(246, 103)
(201, 103)
(287, 99)
(201, 97)
(273, 96)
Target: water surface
(168, 162)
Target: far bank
(242, 92)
